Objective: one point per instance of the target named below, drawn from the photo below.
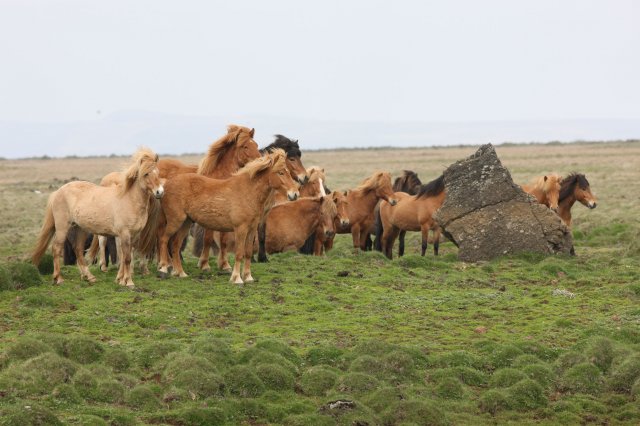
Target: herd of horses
(246, 200)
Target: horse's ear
(157, 158)
(252, 132)
(345, 193)
(545, 178)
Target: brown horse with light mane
(290, 224)
(545, 189)
(323, 242)
(234, 204)
(361, 203)
(121, 211)
(412, 213)
(574, 187)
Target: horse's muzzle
(592, 205)
(292, 196)
(302, 179)
(393, 201)
(328, 233)
(158, 193)
(344, 222)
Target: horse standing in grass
(574, 187)
(120, 211)
(235, 204)
(290, 224)
(545, 189)
(412, 213)
(361, 203)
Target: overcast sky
(70, 60)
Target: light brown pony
(545, 189)
(361, 202)
(121, 211)
(574, 187)
(322, 241)
(234, 204)
(144, 244)
(290, 224)
(412, 213)
(314, 187)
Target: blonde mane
(144, 161)
(329, 208)
(373, 182)
(273, 161)
(219, 148)
(547, 183)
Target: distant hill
(121, 132)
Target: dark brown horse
(574, 187)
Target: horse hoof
(163, 275)
(179, 274)
(91, 279)
(104, 268)
(248, 279)
(262, 258)
(58, 281)
(236, 280)
(130, 285)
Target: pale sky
(363, 60)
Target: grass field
(518, 340)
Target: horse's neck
(257, 190)
(226, 165)
(138, 198)
(567, 202)
(368, 197)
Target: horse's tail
(377, 243)
(46, 234)
(147, 239)
(197, 232)
(308, 246)
(93, 250)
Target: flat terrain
(415, 340)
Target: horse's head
(246, 149)
(294, 157)
(144, 171)
(315, 185)
(551, 189)
(383, 187)
(583, 192)
(279, 178)
(328, 213)
(340, 200)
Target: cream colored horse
(120, 211)
(546, 189)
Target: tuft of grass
(142, 398)
(459, 359)
(257, 356)
(328, 355)
(118, 359)
(600, 352)
(31, 414)
(582, 378)
(504, 356)
(6, 283)
(316, 381)
(356, 383)
(540, 373)
(506, 377)
(109, 391)
(466, 375)
(449, 388)
(493, 401)
(242, 381)
(38, 375)
(66, 394)
(309, 420)
(45, 266)
(24, 275)
(83, 350)
(383, 398)
(281, 349)
(85, 383)
(275, 377)
(199, 384)
(178, 362)
(26, 348)
(526, 395)
(151, 353)
(568, 360)
(625, 375)
(524, 360)
(216, 351)
(415, 412)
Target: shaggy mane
(274, 161)
(408, 182)
(431, 189)
(568, 184)
(290, 146)
(373, 182)
(220, 147)
(144, 161)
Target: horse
(145, 244)
(545, 189)
(361, 202)
(297, 171)
(120, 211)
(574, 187)
(412, 213)
(234, 204)
(410, 183)
(290, 224)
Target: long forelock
(371, 182)
(291, 147)
(567, 186)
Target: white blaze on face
(322, 191)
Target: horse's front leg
(436, 241)
(81, 238)
(57, 248)
(120, 274)
(355, 235)
(207, 239)
(223, 258)
(248, 252)
(318, 243)
(262, 238)
(102, 243)
(241, 238)
(125, 260)
(424, 229)
(178, 237)
(401, 243)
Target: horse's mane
(567, 186)
(274, 161)
(431, 189)
(408, 182)
(290, 146)
(315, 173)
(543, 184)
(329, 208)
(143, 161)
(220, 147)
(373, 181)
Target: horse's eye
(281, 173)
(291, 159)
(146, 174)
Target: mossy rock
(26, 348)
(415, 412)
(625, 375)
(275, 377)
(200, 383)
(327, 355)
(493, 401)
(541, 373)
(24, 275)
(526, 395)
(459, 359)
(356, 383)
(118, 359)
(525, 359)
(582, 378)
(151, 353)
(23, 414)
(506, 377)
(242, 381)
(216, 351)
(6, 283)
(66, 394)
(83, 349)
(449, 388)
(504, 356)
(316, 381)
(142, 398)
(600, 352)
(178, 362)
(467, 375)
(109, 391)
(45, 266)
(280, 348)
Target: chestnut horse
(574, 187)
(545, 189)
(361, 202)
(120, 211)
(290, 224)
(235, 204)
(412, 213)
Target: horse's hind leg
(120, 275)
(223, 262)
(425, 239)
(81, 237)
(401, 243)
(248, 252)
(179, 236)
(203, 262)
(102, 241)
(389, 236)
(57, 249)
(262, 238)
(241, 238)
(125, 260)
(436, 241)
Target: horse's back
(170, 167)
